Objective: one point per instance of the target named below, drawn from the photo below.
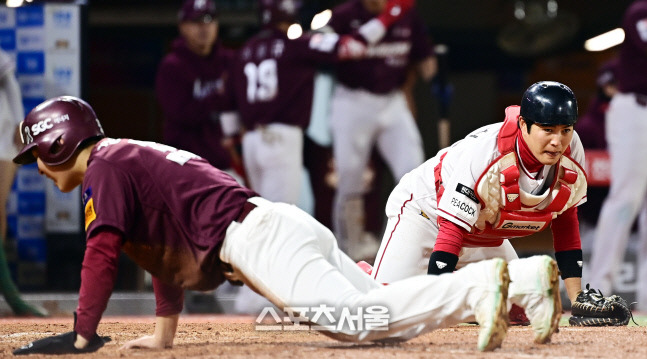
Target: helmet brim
(25, 156)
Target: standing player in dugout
(369, 109)
(271, 82)
(193, 226)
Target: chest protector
(506, 210)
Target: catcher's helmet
(276, 11)
(56, 128)
(549, 103)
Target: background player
(626, 132)
(272, 83)
(192, 226)
(190, 86)
(591, 129)
(368, 108)
(502, 181)
(11, 113)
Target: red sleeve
(450, 237)
(169, 299)
(98, 276)
(566, 231)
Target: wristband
(442, 262)
(570, 263)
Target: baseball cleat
(535, 284)
(546, 321)
(492, 312)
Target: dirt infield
(235, 337)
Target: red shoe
(518, 316)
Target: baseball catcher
(593, 309)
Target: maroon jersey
(272, 76)
(632, 73)
(191, 92)
(385, 67)
(172, 207)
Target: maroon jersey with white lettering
(191, 92)
(273, 76)
(172, 207)
(632, 73)
(385, 67)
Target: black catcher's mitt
(592, 309)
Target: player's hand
(394, 10)
(351, 47)
(147, 341)
(61, 344)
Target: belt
(641, 99)
(247, 207)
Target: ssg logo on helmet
(44, 125)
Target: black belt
(247, 207)
(641, 99)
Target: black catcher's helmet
(549, 103)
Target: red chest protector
(507, 211)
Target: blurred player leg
(641, 279)
(7, 172)
(328, 277)
(273, 159)
(627, 192)
(399, 140)
(353, 132)
(251, 142)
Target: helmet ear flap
(57, 146)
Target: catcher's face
(63, 175)
(547, 143)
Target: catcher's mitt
(592, 309)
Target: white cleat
(491, 312)
(538, 293)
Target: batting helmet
(57, 128)
(549, 103)
(276, 11)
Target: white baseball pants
(273, 158)
(409, 239)
(294, 261)
(360, 120)
(626, 128)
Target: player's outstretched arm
(165, 328)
